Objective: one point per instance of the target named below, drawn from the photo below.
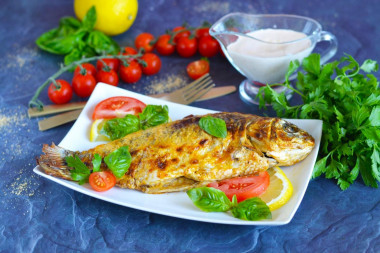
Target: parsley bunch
(346, 96)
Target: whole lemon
(113, 16)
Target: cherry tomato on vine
(110, 77)
(164, 46)
(208, 46)
(145, 41)
(202, 32)
(153, 64)
(186, 47)
(243, 187)
(102, 180)
(185, 33)
(90, 69)
(110, 62)
(198, 68)
(61, 92)
(131, 73)
(129, 51)
(83, 85)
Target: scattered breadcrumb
(167, 84)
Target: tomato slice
(102, 180)
(198, 68)
(243, 187)
(117, 107)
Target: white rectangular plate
(178, 204)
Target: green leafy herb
(251, 209)
(80, 172)
(76, 39)
(348, 102)
(214, 126)
(154, 115)
(213, 200)
(120, 127)
(119, 161)
(96, 162)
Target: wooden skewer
(58, 120)
(50, 109)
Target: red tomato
(110, 77)
(102, 181)
(145, 41)
(198, 68)
(184, 33)
(163, 46)
(202, 32)
(208, 46)
(153, 64)
(243, 187)
(60, 93)
(129, 51)
(117, 107)
(186, 47)
(112, 63)
(90, 69)
(83, 85)
(131, 73)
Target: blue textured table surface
(37, 215)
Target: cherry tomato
(185, 33)
(202, 32)
(110, 62)
(102, 181)
(243, 187)
(60, 93)
(164, 46)
(153, 64)
(83, 85)
(145, 41)
(208, 46)
(131, 73)
(198, 68)
(117, 107)
(129, 51)
(110, 77)
(90, 69)
(186, 47)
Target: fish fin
(53, 161)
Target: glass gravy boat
(261, 47)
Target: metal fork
(190, 92)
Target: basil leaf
(80, 172)
(102, 43)
(89, 19)
(96, 162)
(73, 56)
(209, 199)
(120, 127)
(154, 115)
(119, 161)
(214, 126)
(69, 23)
(251, 209)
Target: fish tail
(53, 161)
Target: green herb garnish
(214, 126)
(119, 161)
(96, 162)
(80, 172)
(348, 102)
(154, 115)
(76, 39)
(213, 200)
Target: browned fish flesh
(179, 155)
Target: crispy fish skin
(180, 155)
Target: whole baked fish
(180, 155)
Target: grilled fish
(179, 155)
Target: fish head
(280, 140)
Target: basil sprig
(213, 200)
(119, 161)
(214, 126)
(151, 116)
(80, 171)
(76, 39)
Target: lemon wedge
(279, 190)
(96, 133)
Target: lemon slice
(96, 133)
(279, 190)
